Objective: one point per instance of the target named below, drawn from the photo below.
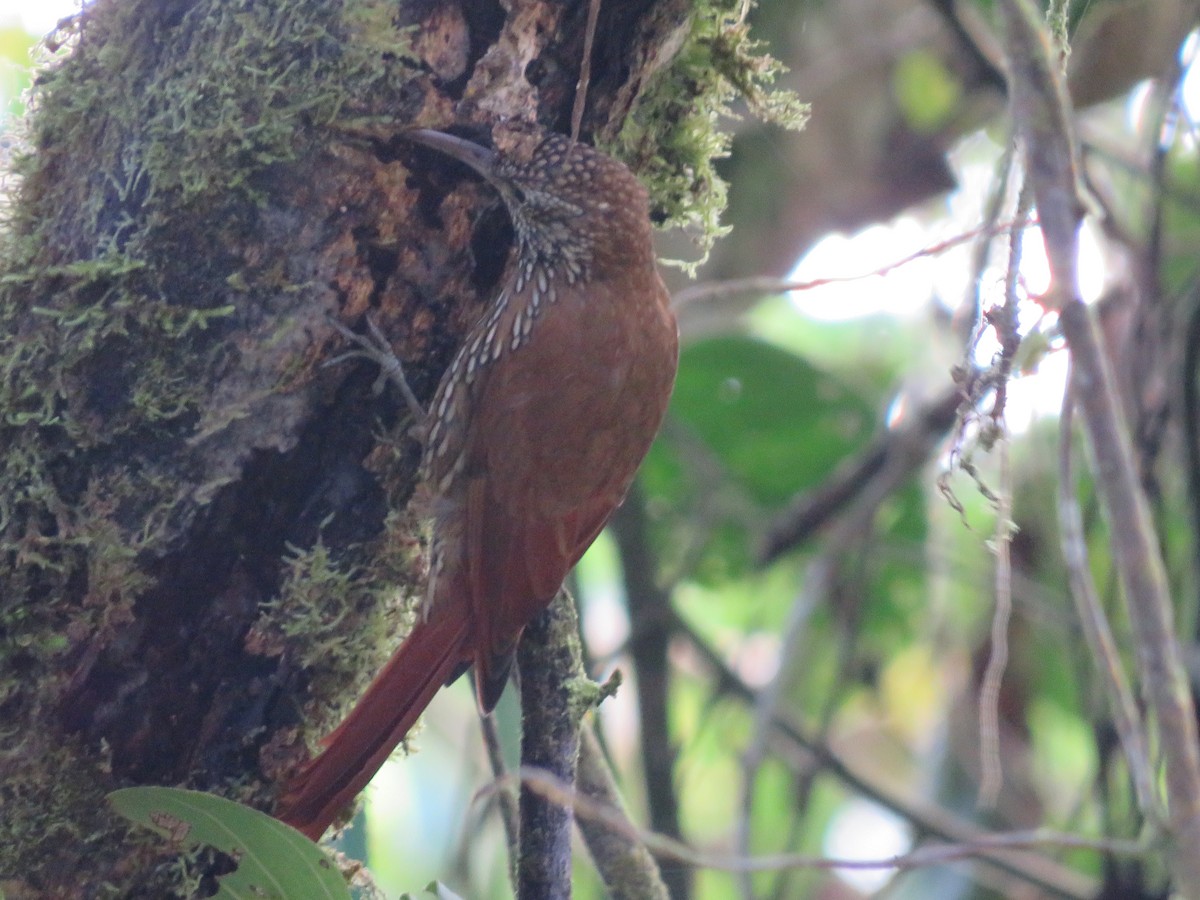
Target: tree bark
(551, 670)
(205, 543)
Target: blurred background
(799, 592)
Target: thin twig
(1161, 118)
(985, 70)
(1103, 647)
(1151, 370)
(1046, 874)
(626, 865)
(808, 775)
(882, 466)
(1041, 110)
(815, 585)
(648, 644)
(983, 249)
(1189, 401)
(766, 285)
(509, 814)
(1005, 321)
(991, 771)
(585, 70)
(982, 844)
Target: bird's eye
(518, 194)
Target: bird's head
(570, 204)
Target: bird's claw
(375, 347)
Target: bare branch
(548, 660)
(649, 640)
(739, 287)
(624, 862)
(992, 775)
(509, 813)
(880, 468)
(1046, 874)
(981, 845)
(1126, 717)
(1042, 115)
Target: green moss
(113, 329)
(673, 136)
(206, 104)
(53, 805)
(99, 292)
(342, 618)
(187, 121)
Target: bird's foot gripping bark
(375, 347)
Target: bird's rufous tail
(433, 652)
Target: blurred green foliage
(15, 47)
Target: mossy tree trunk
(204, 542)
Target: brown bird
(532, 440)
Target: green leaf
(776, 422)
(766, 423)
(273, 860)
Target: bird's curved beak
(481, 159)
